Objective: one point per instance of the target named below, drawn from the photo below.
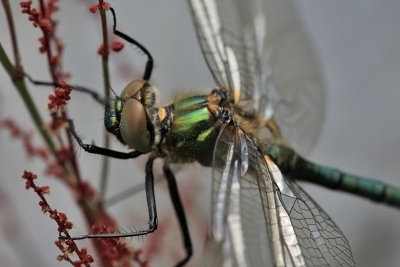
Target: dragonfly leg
(151, 205)
(101, 150)
(180, 214)
(149, 64)
(76, 88)
(151, 200)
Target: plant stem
(106, 81)
(10, 21)
(18, 81)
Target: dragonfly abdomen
(302, 169)
(336, 179)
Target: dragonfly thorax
(133, 118)
(191, 125)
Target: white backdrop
(359, 46)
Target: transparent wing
(291, 82)
(261, 219)
(259, 52)
(226, 37)
(238, 221)
(310, 236)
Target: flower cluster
(60, 97)
(67, 247)
(41, 20)
(116, 46)
(100, 6)
(42, 17)
(59, 155)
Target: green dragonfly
(268, 99)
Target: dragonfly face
(132, 117)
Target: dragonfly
(267, 100)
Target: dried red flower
(25, 6)
(43, 190)
(117, 46)
(29, 175)
(60, 97)
(105, 5)
(94, 8)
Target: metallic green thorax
(291, 163)
(194, 130)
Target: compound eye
(133, 129)
(131, 89)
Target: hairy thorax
(191, 125)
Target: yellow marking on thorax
(213, 98)
(213, 101)
(161, 113)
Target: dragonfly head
(132, 117)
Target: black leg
(149, 64)
(180, 214)
(151, 200)
(101, 150)
(151, 205)
(76, 88)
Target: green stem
(10, 21)
(18, 81)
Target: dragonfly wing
(310, 236)
(258, 50)
(261, 219)
(291, 81)
(238, 223)
(226, 38)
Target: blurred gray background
(358, 43)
